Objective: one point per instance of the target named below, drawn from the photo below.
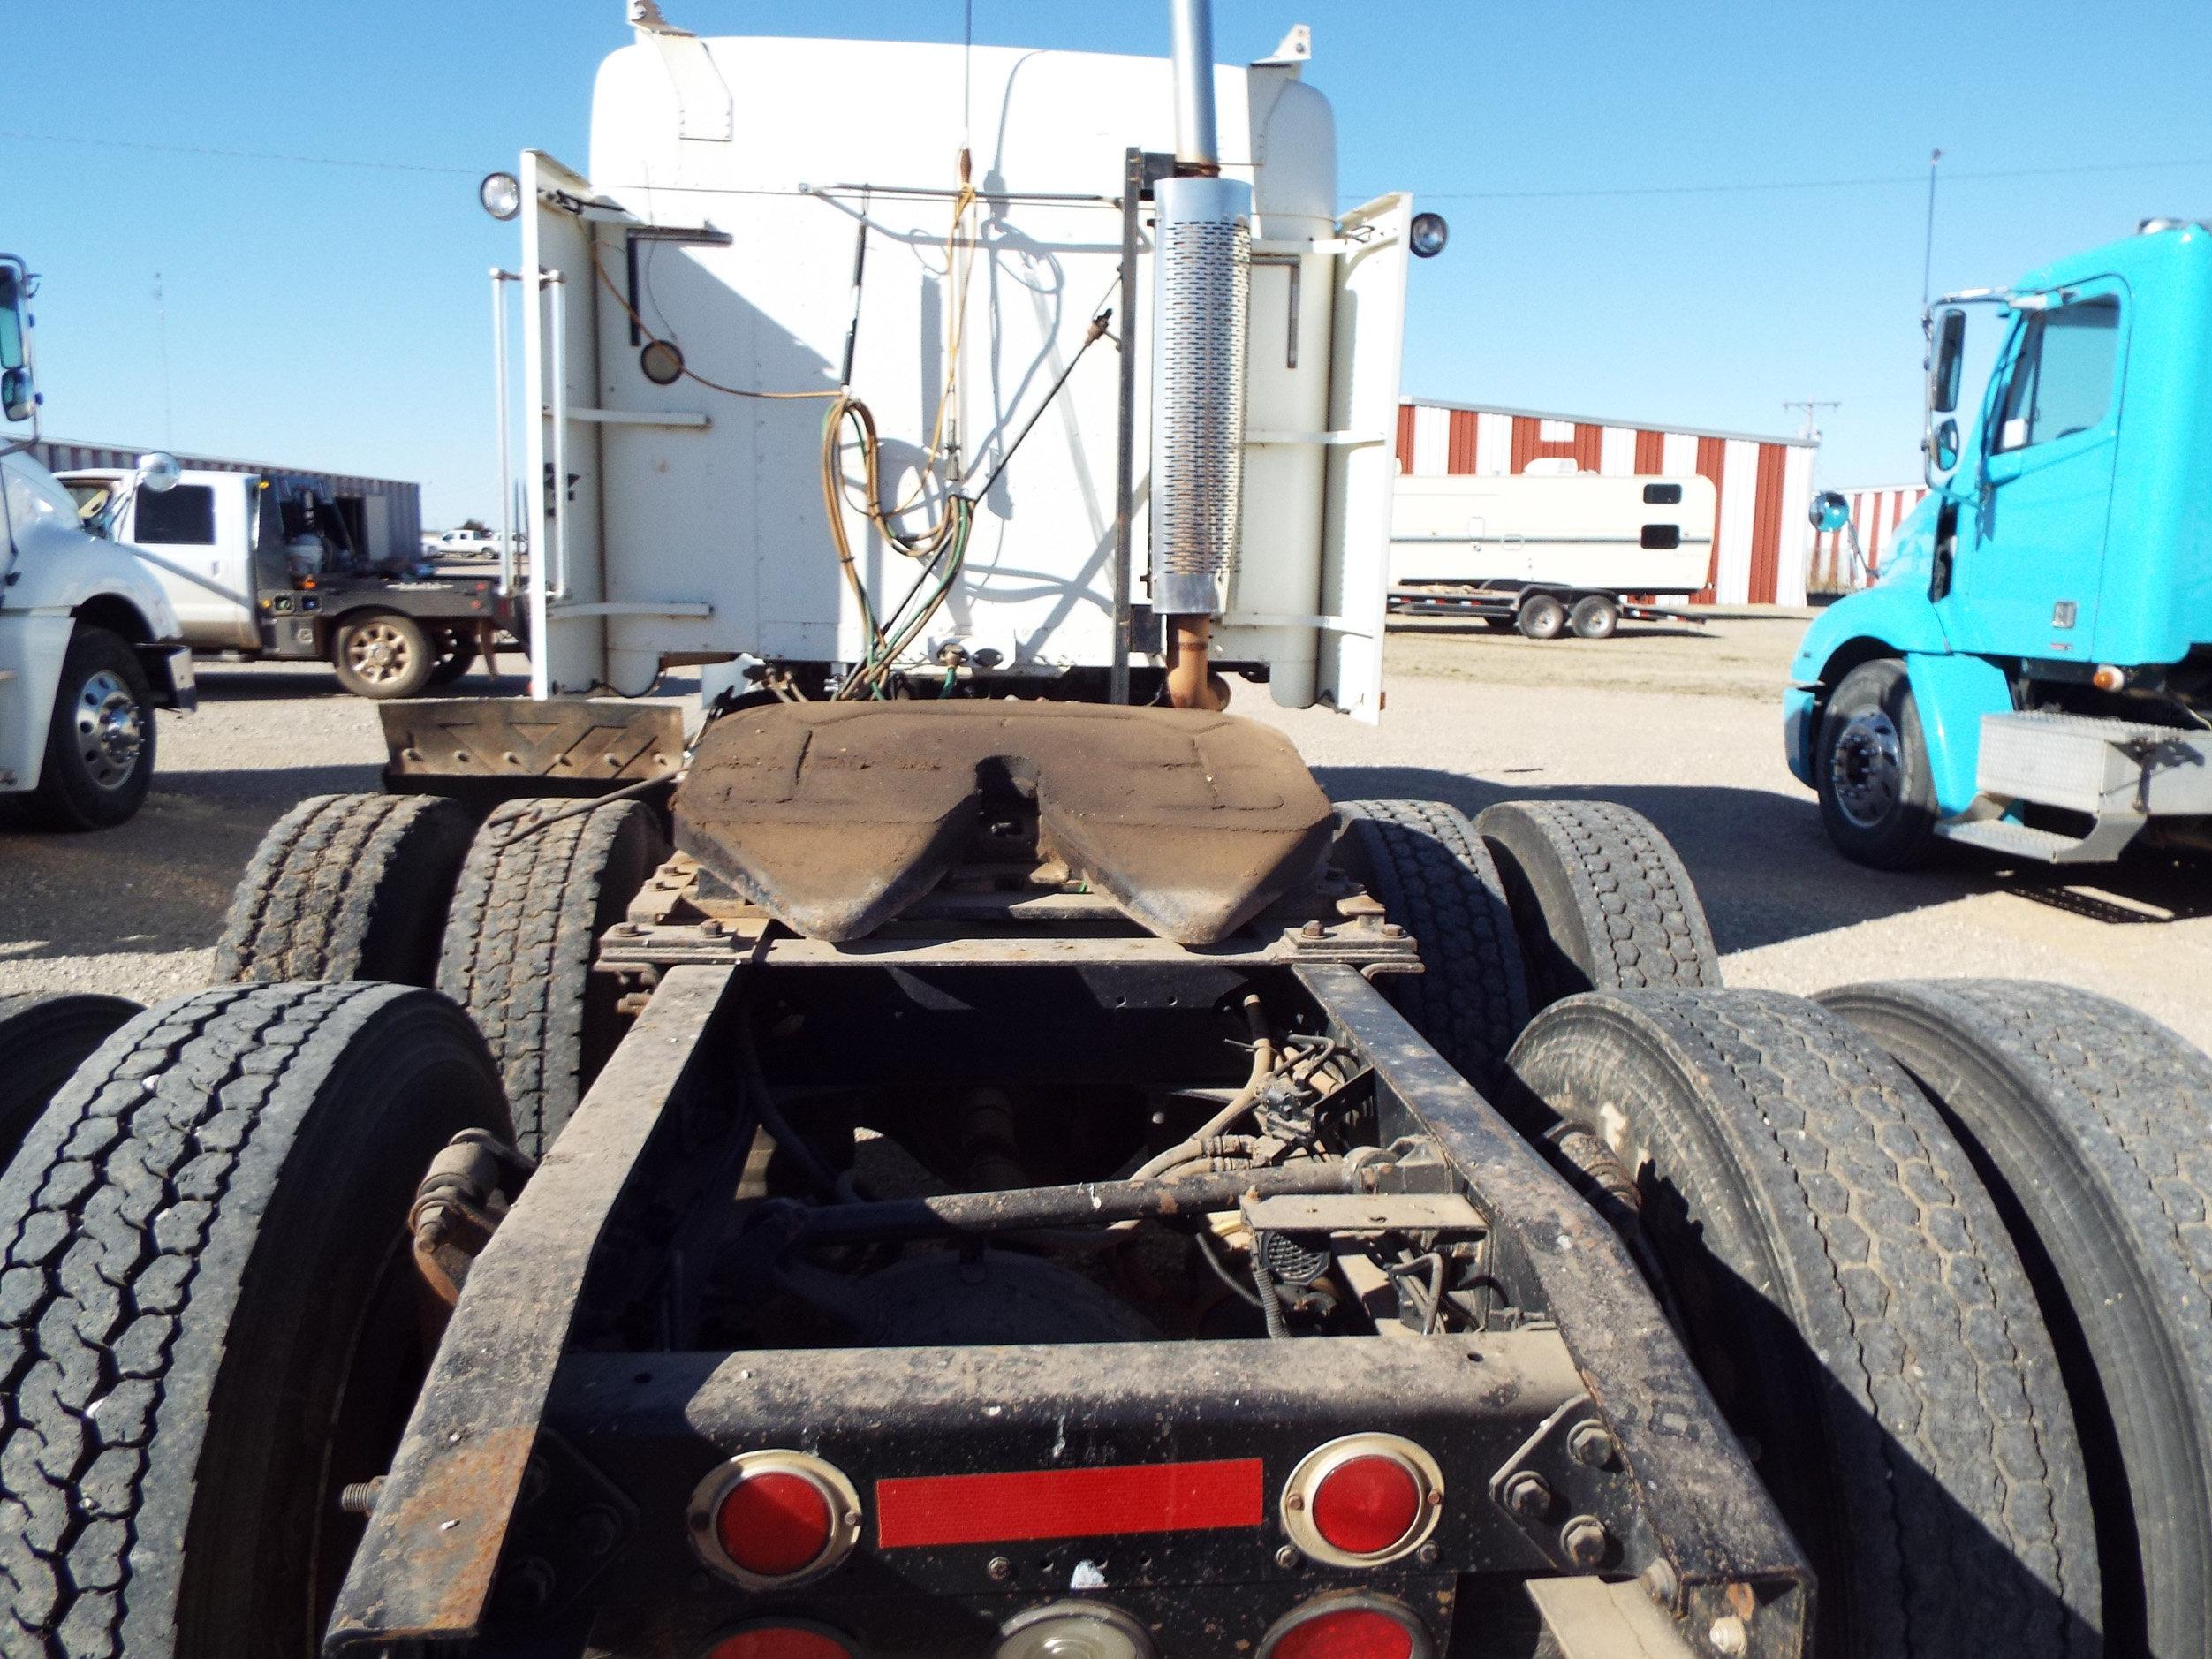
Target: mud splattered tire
(1845, 1286)
(208, 1318)
(525, 919)
(1426, 864)
(2092, 1124)
(1600, 898)
(42, 1039)
(347, 887)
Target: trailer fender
(1952, 692)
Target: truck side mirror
(16, 400)
(18, 396)
(157, 471)
(1830, 512)
(1946, 357)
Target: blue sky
(337, 317)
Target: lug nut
(1585, 1540)
(1592, 1444)
(1528, 1496)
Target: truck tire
(1600, 898)
(382, 654)
(42, 1039)
(347, 887)
(519, 940)
(1870, 769)
(456, 650)
(1846, 1287)
(2092, 1124)
(209, 1321)
(1426, 864)
(1594, 616)
(100, 740)
(1540, 616)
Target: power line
(1799, 183)
(238, 155)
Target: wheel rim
(378, 653)
(1866, 768)
(110, 730)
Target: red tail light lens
(1347, 1627)
(1362, 1500)
(780, 1641)
(774, 1517)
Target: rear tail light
(781, 1639)
(1073, 1630)
(1349, 1626)
(769, 1518)
(1362, 1500)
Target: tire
(1540, 616)
(1847, 1288)
(1594, 616)
(382, 654)
(208, 1320)
(100, 741)
(456, 655)
(526, 921)
(347, 887)
(1424, 861)
(2093, 1125)
(42, 1039)
(1600, 898)
(1870, 769)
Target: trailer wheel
(1600, 898)
(99, 757)
(1846, 1287)
(2093, 1124)
(1870, 769)
(1541, 617)
(208, 1318)
(42, 1039)
(1425, 862)
(1594, 617)
(519, 940)
(347, 887)
(456, 651)
(382, 654)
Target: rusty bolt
(1286, 1557)
(710, 928)
(1528, 1496)
(1000, 1569)
(1585, 1540)
(360, 1497)
(1662, 1583)
(623, 930)
(1592, 1444)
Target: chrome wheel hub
(1867, 768)
(378, 652)
(110, 730)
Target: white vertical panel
(1548, 431)
(1677, 454)
(1793, 556)
(1616, 451)
(1739, 499)
(1432, 441)
(1493, 446)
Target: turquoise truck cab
(2032, 672)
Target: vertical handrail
(1125, 433)
(556, 389)
(502, 404)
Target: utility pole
(160, 336)
(1810, 431)
(1928, 246)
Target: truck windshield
(2063, 380)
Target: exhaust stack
(1201, 287)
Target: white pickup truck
(89, 645)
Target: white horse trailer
(1546, 552)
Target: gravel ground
(1680, 722)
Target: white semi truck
(1549, 553)
(89, 645)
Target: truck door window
(184, 515)
(2061, 380)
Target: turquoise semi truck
(2032, 673)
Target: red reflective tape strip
(1143, 1497)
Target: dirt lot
(1682, 723)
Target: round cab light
(1073, 1630)
(1355, 1626)
(781, 1639)
(1362, 1500)
(501, 194)
(1427, 235)
(769, 1518)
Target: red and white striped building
(1761, 546)
(1876, 509)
